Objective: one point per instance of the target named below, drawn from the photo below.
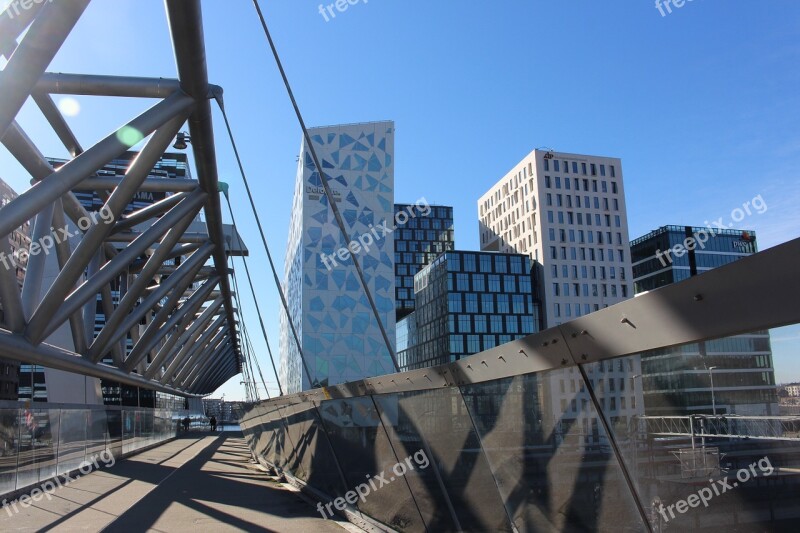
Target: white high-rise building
(567, 211)
(341, 339)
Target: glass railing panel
(72, 439)
(716, 441)
(9, 442)
(551, 459)
(313, 457)
(425, 481)
(366, 458)
(115, 422)
(436, 424)
(38, 445)
(128, 431)
(97, 432)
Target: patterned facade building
(341, 340)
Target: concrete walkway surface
(201, 482)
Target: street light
(181, 141)
(711, 379)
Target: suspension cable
(326, 187)
(246, 351)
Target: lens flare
(69, 106)
(129, 136)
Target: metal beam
(23, 149)
(113, 208)
(183, 338)
(209, 372)
(13, 22)
(99, 85)
(176, 284)
(34, 273)
(63, 253)
(151, 211)
(38, 48)
(185, 20)
(186, 238)
(18, 348)
(135, 289)
(154, 332)
(51, 313)
(210, 342)
(149, 185)
(52, 187)
(212, 337)
(57, 122)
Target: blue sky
(702, 105)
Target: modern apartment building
(18, 240)
(567, 212)
(420, 237)
(340, 337)
(467, 302)
(734, 375)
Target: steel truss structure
(181, 318)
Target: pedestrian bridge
(475, 445)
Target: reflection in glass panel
(72, 440)
(364, 452)
(440, 417)
(9, 439)
(555, 472)
(718, 445)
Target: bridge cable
(324, 179)
(285, 304)
(247, 354)
(255, 299)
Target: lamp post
(713, 399)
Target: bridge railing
(534, 436)
(41, 441)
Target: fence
(43, 441)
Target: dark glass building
(734, 375)
(665, 255)
(418, 240)
(467, 302)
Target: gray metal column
(32, 286)
(34, 54)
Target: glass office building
(421, 236)
(341, 340)
(734, 375)
(467, 302)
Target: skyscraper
(418, 240)
(340, 337)
(734, 375)
(467, 302)
(568, 213)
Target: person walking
(213, 422)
